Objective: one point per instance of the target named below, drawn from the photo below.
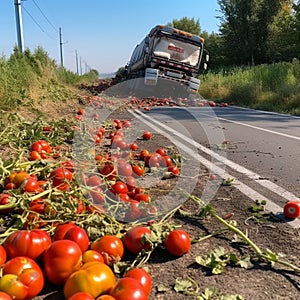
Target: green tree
(246, 29)
(187, 24)
(214, 46)
(296, 30)
(281, 44)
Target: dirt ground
(259, 281)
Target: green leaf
(232, 297)
(162, 288)
(186, 286)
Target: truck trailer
(165, 55)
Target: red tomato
(291, 209)
(128, 288)
(143, 154)
(138, 170)
(41, 146)
(105, 297)
(174, 170)
(22, 278)
(133, 212)
(133, 146)
(92, 255)
(79, 236)
(3, 256)
(37, 205)
(119, 188)
(61, 259)
(130, 182)
(147, 135)
(81, 296)
(5, 296)
(61, 229)
(178, 242)
(34, 155)
(166, 161)
(69, 165)
(6, 206)
(61, 176)
(126, 124)
(134, 239)
(111, 247)
(153, 160)
(109, 171)
(32, 186)
(142, 276)
(142, 197)
(124, 169)
(161, 151)
(97, 195)
(94, 180)
(29, 243)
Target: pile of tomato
(51, 197)
(82, 268)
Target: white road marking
(261, 129)
(250, 174)
(266, 112)
(257, 128)
(246, 190)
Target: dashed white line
(246, 190)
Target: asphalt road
(260, 150)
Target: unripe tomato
(22, 278)
(178, 242)
(29, 243)
(111, 247)
(61, 259)
(92, 255)
(94, 277)
(19, 178)
(134, 239)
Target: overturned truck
(167, 57)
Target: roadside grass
(273, 87)
(29, 79)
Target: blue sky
(103, 32)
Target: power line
(55, 29)
(38, 24)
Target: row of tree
(251, 32)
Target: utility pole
(76, 57)
(80, 66)
(61, 49)
(19, 25)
